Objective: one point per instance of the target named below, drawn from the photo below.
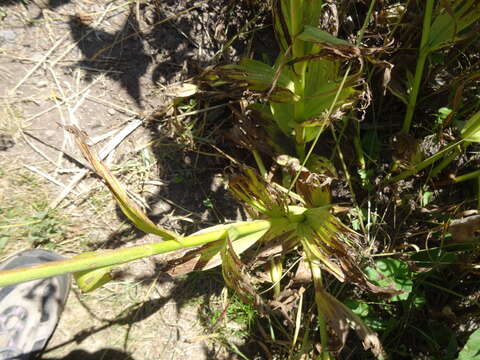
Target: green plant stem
(121, 256)
(445, 162)
(422, 58)
(422, 165)
(300, 69)
(322, 323)
(469, 176)
(260, 164)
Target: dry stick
(60, 89)
(61, 103)
(118, 107)
(127, 130)
(45, 57)
(37, 150)
(64, 152)
(46, 176)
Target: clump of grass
(25, 218)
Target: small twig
(37, 150)
(32, 70)
(65, 153)
(62, 102)
(118, 107)
(46, 176)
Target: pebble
(8, 35)
(111, 111)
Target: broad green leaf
(261, 77)
(283, 115)
(471, 130)
(448, 24)
(321, 101)
(471, 350)
(313, 34)
(388, 271)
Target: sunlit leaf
(89, 280)
(316, 35)
(388, 272)
(128, 207)
(208, 256)
(471, 350)
(261, 77)
(471, 130)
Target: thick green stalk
(472, 175)
(121, 256)
(422, 58)
(322, 323)
(298, 50)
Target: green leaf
(371, 144)
(260, 76)
(209, 256)
(471, 130)
(359, 308)
(450, 22)
(89, 280)
(471, 350)
(315, 35)
(388, 271)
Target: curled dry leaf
(236, 276)
(340, 318)
(128, 207)
(465, 229)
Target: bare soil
(102, 66)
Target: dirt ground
(106, 67)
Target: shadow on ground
(193, 193)
(119, 55)
(199, 286)
(105, 354)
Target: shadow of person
(105, 354)
(119, 55)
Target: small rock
(8, 35)
(111, 111)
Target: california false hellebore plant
(297, 221)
